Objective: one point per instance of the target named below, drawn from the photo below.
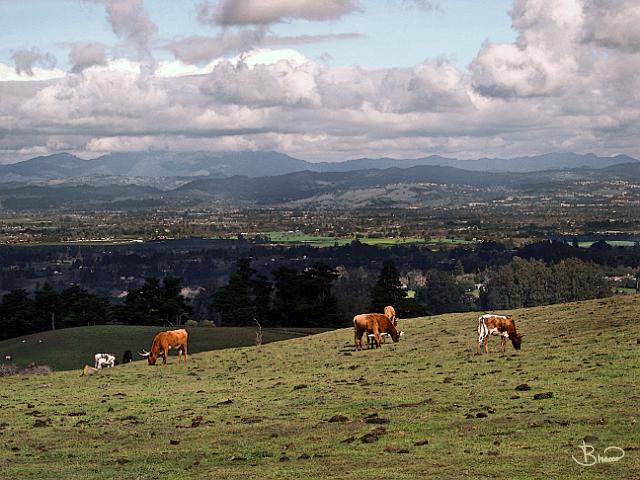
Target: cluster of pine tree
(22, 314)
(527, 283)
(303, 299)
(300, 299)
(154, 303)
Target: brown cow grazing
(163, 342)
(491, 324)
(375, 323)
(390, 312)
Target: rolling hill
(139, 167)
(71, 348)
(426, 407)
(399, 187)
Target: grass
(613, 243)
(297, 238)
(263, 412)
(71, 348)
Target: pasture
(71, 348)
(298, 238)
(426, 407)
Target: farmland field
(71, 348)
(426, 407)
(323, 241)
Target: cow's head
(516, 340)
(151, 356)
(393, 331)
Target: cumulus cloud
(259, 12)
(282, 84)
(544, 57)
(192, 50)
(87, 55)
(130, 21)
(198, 49)
(26, 60)
(568, 82)
(613, 23)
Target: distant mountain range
(139, 167)
(426, 185)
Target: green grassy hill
(265, 412)
(71, 348)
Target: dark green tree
(245, 298)
(286, 296)
(80, 307)
(388, 289)
(442, 294)
(458, 268)
(306, 299)
(16, 314)
(524, 283)
(153, 304)
(47, 308)
(173, 305)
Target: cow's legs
(370, 341)
(486, 344)
(376, 333)
(481, 339)
(357, 339)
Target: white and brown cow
(499, 325)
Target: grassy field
(613, 243)
(292, 238)
(426, 407)
(71, 348)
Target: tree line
(316, 296)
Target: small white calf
(371, 338)
(104, 360)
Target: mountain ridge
(162, 164)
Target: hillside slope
(264, 412)
(71, 348)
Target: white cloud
(87, 55)
(259, 12)
(569, 82)
(199, 49)
(131, 22)
(613, 23)
(26, 60)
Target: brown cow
(491, 324)
(376, 323)
(163, 342)
(390, 312)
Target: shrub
(6, 370)
(190, 323)
(33, 369)
(207, 323)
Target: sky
(320, 80)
